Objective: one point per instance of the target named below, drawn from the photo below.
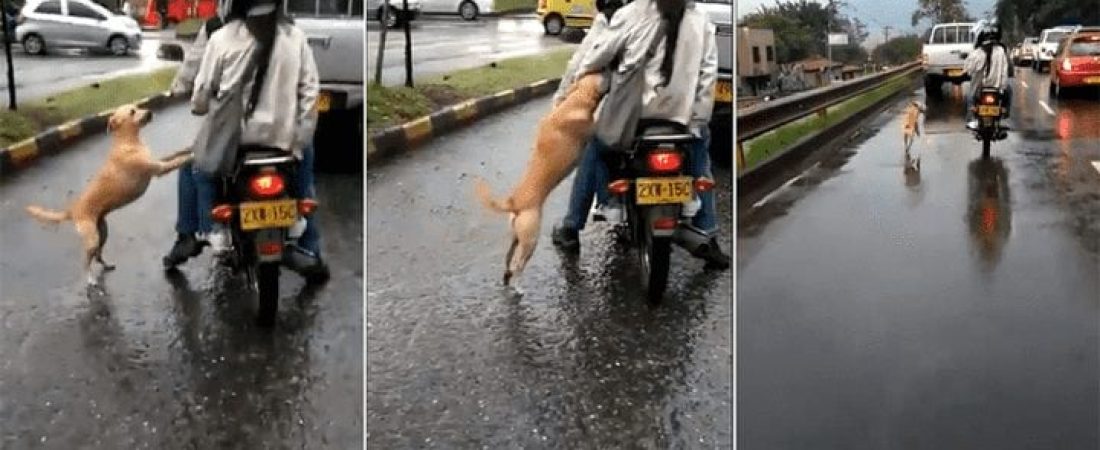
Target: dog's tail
(48, 216)
(486, 197)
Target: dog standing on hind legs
(560, 137)
(124, 178)
(910, 129)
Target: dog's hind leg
(508, 260)
(101, 227)
(89, 235)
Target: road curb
(401, 139)
(21, 155)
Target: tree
(898, 50)
(408, 47)
(800, 27)
(941, 11)
(1021, 18)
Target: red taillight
(665, 161)
(222, 213)
(703, 184)
(270, 248)
(665, 223)
(619, 187)
(306, 206)
(267, 184)
(989, 99)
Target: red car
(1077, 62)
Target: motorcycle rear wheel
(985, 148)
(653, 256)
(267, 284)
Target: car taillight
(989, 99)
(703, 184)
(267, 184)
(306, 206)
(1066, 65)
(665, 223)
(619, 187)
(665, 161)
(222, 213)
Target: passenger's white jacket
(688, 98)
(285, 115)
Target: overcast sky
(878, 13)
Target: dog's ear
(113, 122)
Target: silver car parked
(75, 24)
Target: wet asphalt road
(957, 307)
(456, 361)
(170, 361)
(40, 76)
(444, 44)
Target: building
(809, 73)
(757, 62)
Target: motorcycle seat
(263, 155)
(664, 131)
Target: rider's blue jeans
(196, 193)
(592, 178)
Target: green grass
(387, 106)
(188, 28)
(761, 148)
(36, 116)
(504, 6)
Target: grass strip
(387, 106)
(505, 6)
(762, 147)
(36, 116)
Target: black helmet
(988, 32)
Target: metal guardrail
(761, 118)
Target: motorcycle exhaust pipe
(690, 239)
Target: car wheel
(553, 24)
(34, 45)
(118, 46)
(468, 10)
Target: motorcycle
(262, 212)
(653, 184)
(990, 110)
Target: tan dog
(124, 178)
(910, 128)
(560, 138)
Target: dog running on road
(124, 178)
(910, 126)
(559, 140)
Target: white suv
(1048, 45)
(944, 54)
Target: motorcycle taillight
(989, 99)
(663, 159)
(267, 183)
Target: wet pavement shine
(455, 360)
(170, 361)
(957, 306)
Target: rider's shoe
(307, 264)
(566, 238)
(187, 246)
(219, 241)
(713, 255)
(972, 125)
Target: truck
(335, 31)
(944, 53)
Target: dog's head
(129, 118)
(918, 105)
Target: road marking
(1024, 83)
(1047, 107)
(1096, 165)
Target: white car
(44, 24)
(945, 52)
(1048, 45)
(467, 9)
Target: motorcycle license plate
(270, 214)
(1092, 80)
(989, 110)
(954, 72)
(324, 102)
(723, 92)
(660, 191)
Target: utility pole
(886, 33)
(382, 42)
(7, 54)
(828, 43)
(408, 48)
